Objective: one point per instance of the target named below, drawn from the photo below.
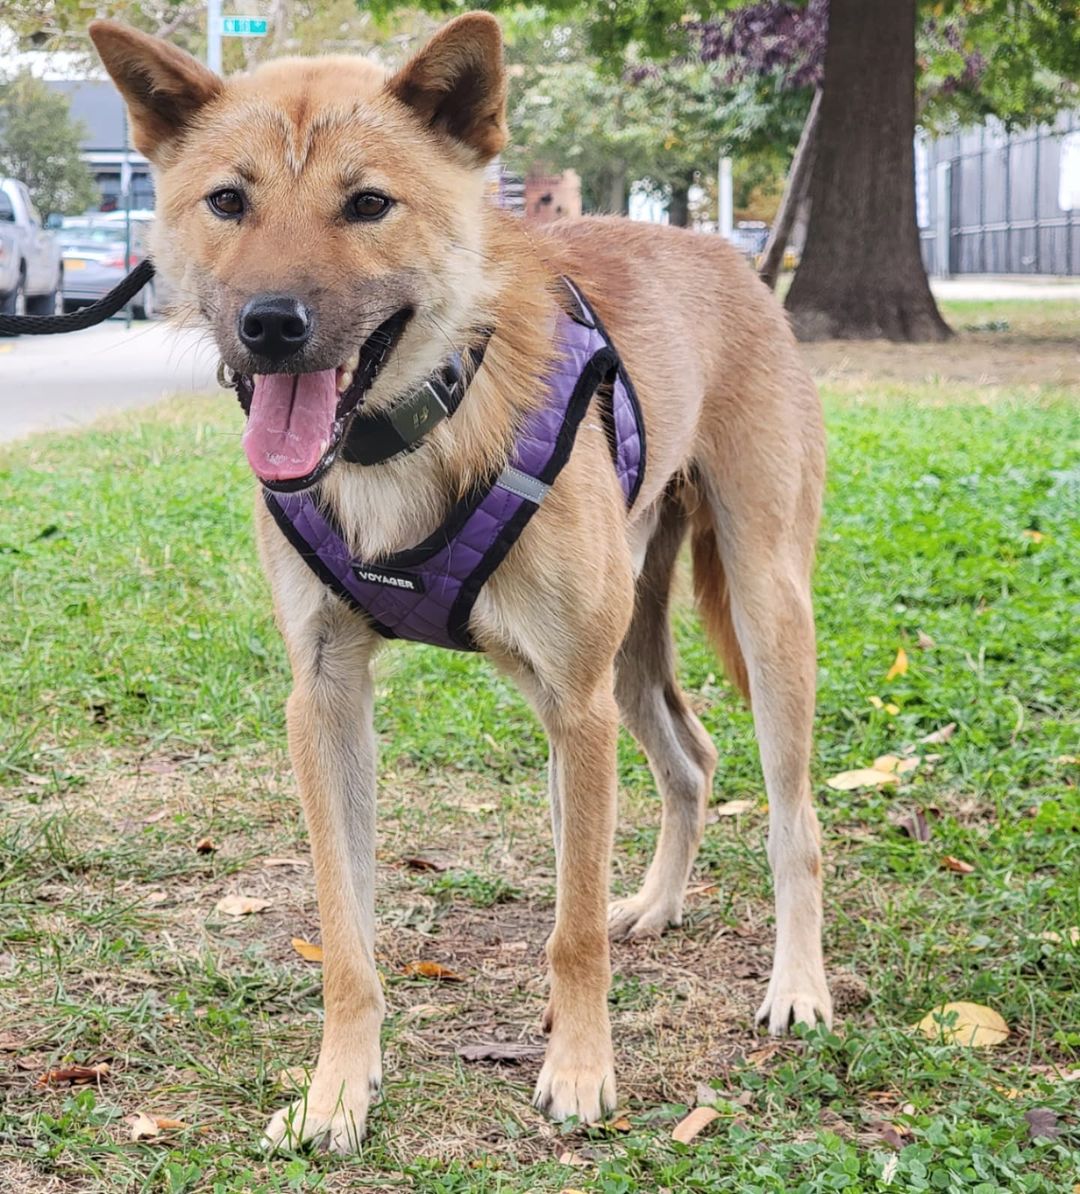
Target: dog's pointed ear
(457, 85)
(162, 85)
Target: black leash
(85, 317)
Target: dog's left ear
(456, 84)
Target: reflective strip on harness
(427, 593)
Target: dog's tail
(713, 598)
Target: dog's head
(321, 216)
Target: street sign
(244, 26)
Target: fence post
(943, 219)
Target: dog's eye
(368, 205)
(227, 203)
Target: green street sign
(244, 26)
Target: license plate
(74, 263)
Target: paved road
(50, 382)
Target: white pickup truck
(31, 266)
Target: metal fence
(991, 202)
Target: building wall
(995, 202)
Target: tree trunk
(679, 203)
(616, 203)
(861, 276)
(795, 192)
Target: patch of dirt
(974, 358)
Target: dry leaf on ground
(924, 642)
(241, 905)
(417, 862)
(915, 825)
(308, 950)
(74, 1074)
(205, 845)
(733, 808)
(432, 970)
(500, 1051)
(940, 736)
(142, 1127)
(974, 1024)
(899, 666)
(957, 864)
(863, 777)
(1042, 1122)
(1072, 936)
(286, 862)
(698, 1119)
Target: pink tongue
(291, 423)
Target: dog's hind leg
(680, 752)
(332, 744)
(753, 555)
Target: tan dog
(356, 194)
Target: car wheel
(14, 302)
(146, 306)
(44, 304)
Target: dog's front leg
(578, 1075)
(332, 744)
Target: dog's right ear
(163, 86)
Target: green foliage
(39, 145)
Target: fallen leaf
(734, 808)
(957, 864)
(698, 1119)
(940, 736)
(286, 862)
(924, 642)
(1033, 535)
(1067, 760)
(169, 1125)
(1071, 935)
(142, 1126)
(915, 825)
(892, 709)
(877, 702)
(974, 1024)
(205, 845)
(887, 763)
(241, 905)
(433, 970)
(75, 1074)
(1041, 1121)
(864, 777)
(622, 1124)
(899, 666)
(418, 863)
(308, 950)
(500, 1051)
(908, 764)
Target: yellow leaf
(622, 1124)
(887, 763)
(307, 950)
(906, 765)
(892, 709)
(877, 702)
(957, 864)
(974, 1024)
(241, 905)
(864, 777)
(733, 808)
(434, 970)
(142, 1126)
(1034, 536)
(698, 1119)
(900, 665)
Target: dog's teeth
(344, 381)
(353, 361)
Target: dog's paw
(332, 1122)
(641, 916)
(795, 997)
(584, 1088)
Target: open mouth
(296, 421)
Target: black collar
(374, 438)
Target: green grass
(141, 693)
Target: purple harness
(426, 593)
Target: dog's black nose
(275, 326)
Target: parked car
(31, 270)
(95, 261)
